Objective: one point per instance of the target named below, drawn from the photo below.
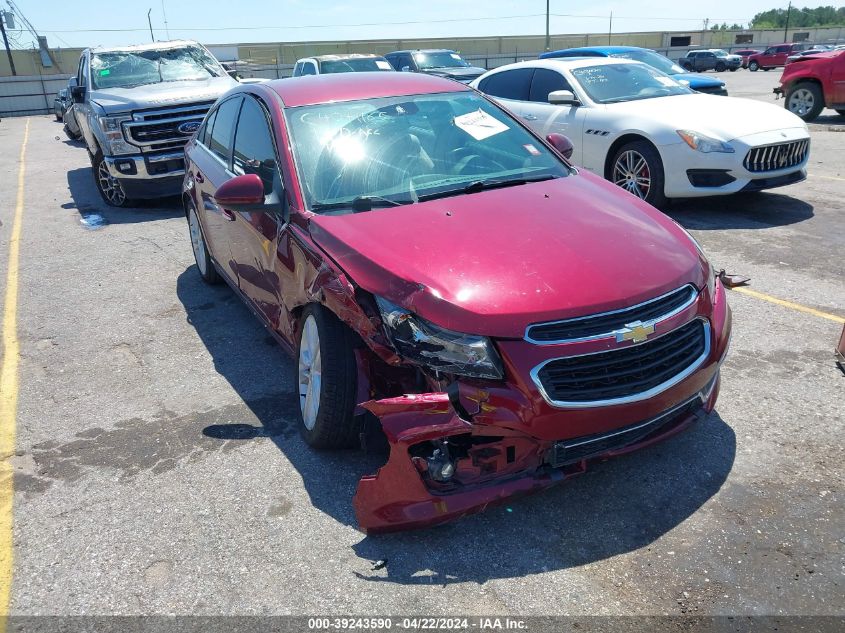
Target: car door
(212, 167)
(82, 111)
(779, 58)
(545, 118)
(837, 81)
(253, 236)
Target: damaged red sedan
(446, 278)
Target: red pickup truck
(813, 82)
(773, 56)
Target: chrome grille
(157, 130)
(774, 157)
(626, 374)
(606, 324)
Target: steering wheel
(476, 164)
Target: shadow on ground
(94, 213)
(761, 210)
(618, 506)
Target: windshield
(366, 64)
(124, 69)
(613, 83)
(400, 150)
(655, 60)
(720, 52)
(439, 59)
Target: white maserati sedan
(649, 134)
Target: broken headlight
(437, 348)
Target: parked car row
(337, 206)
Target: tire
(626, 172)
(720, 67)
(805, 99)
(69, 134)
(753, 66)
(733, 69)
(205, 265)
(766, 69)
(109, 187)
(58, 117)
(326, 378)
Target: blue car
(699, 83)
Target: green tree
(799, 18)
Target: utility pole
(6, 42)
(150, 22)
(786, 28)
(164, 13)
(548, 43)
(610, 29)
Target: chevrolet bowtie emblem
(636, 332)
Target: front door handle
(229, 215)
(529, 117)
(199, 177)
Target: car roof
(602, 50)
(316, 89)
(145, 47)
(569, 62)
(341, 56)
(422, 50)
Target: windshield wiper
(481, 185)
(360, 203)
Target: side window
(783, 49)
(307, 69)
(510, 84)
(205, 134)
(392, 60)
(769, 51)
(405, 59)
(544, 82)
(220, 141)
(83, 71)
(297, 70)
(254, 149)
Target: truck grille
(631, 373)
(773, 157)
(158, 130)
(604, 325)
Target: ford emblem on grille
(189, 127)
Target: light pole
(548, 44)
(150, 22)
(786, 28)
(3, 15)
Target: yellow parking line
(9, 396)
(790, 304)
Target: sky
(93, 22)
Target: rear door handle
(199, 177)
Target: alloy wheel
(801, 101)
(109, 185)
(310, 372)
(631, 172)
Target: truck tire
(753, 66)
(326, 379)
(109, 187)
(71, 135)
(720, 67)
(638, 169)
(805, 99)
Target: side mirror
(78, 94)
(406, 69)
(563, 97)
(242, 193)
(562, 144)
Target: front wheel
(805, 100)
(637, 168)
(327, 380)
(109, 187)
(720, 67)
(753, 66)
(733, 69)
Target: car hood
(467, 73)
(727, 118)
(493, 262)
(698, 81)
(169, 93)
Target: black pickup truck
(715, 59)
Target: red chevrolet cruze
(446, 277)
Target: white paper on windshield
(455, 55)
(666, 81)
(480, 125)
(383, 64)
